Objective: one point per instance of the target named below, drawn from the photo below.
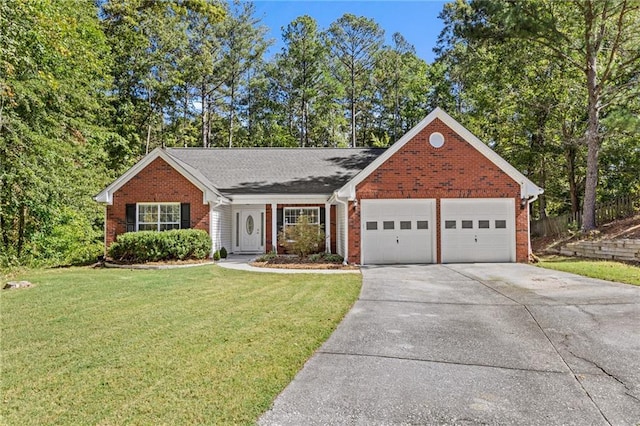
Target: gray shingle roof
(277, 170)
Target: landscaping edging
(627, 250)
(166, 266)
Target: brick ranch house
(438, 195)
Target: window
(449, 224)
(501, 224)
(405, 224)
(372, 226)
(483, 224)
(291, 215)
(422, 224)
(158, 216)
(387, 224)
(467, 224)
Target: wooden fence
(618, 209)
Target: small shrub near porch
(154, 246)
(303, 238)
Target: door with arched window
(249, 230)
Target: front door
(250, 230)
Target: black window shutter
(185, 216)
(322, 224)
(279, 220)
(130, 214)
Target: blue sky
(416, 20)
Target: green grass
(199, 345)
(602, 269)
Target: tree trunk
(593, 143)
(542, 199)
(353, 106)
(570, 155)
(148, 136)
(231, 111)
(21, 219)
(203, 116)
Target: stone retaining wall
(623, 249)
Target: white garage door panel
(477, 230)
(397, 231)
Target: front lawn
(602, 269)
(200, 345)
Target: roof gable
(527, 188)
(210, 193)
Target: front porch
(253, 228)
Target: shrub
(153, 246)
(223, 253)
(303, 238)
(325, 257)
(267, 256)
(216, 255)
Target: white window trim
(284, 215)
(158, 222)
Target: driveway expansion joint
(434, 361)
(437, 303)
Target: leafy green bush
(223, 253)
(267, 256)
(216, 255)
(303, 238)
(153, 246)
(69, 239)
(326, 258)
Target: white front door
(250, 230)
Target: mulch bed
(294, 262)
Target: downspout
(104, 237)
(346, 229)
(530, 200)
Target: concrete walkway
(475, 344)
(241, 262)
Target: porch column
(274, 227)
(327, 227)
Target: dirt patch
(619, 229)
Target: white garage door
(397, 231)
(477, 230)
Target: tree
(354, 43)
(304, 56)
(164, 58)
(600, 39)
(519, 101)
(243, 44)
(53, 146)
(402, 83)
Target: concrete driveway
(475, 344)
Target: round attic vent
(436, 139)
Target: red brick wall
(158, 182)
(456, 170)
